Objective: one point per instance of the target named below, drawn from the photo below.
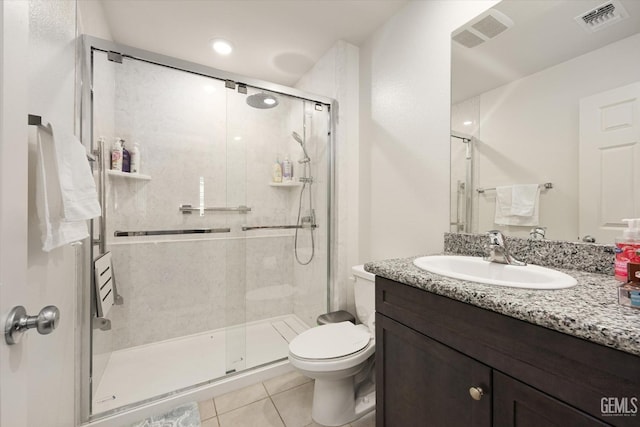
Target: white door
(609, 162)
(13, 206)
(37, 375)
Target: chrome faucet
(498, 250)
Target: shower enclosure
(214, 268)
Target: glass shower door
(218, 266)
(285, 235)
(176, 256)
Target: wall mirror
(548, 92)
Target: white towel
(524, 199)
(65, 191)
(513, 203)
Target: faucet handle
(537, 233)
(495, 237)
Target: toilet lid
(330, 341)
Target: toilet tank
(364, 293)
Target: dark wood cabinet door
(519, 405)
(421, 382)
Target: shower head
(262, 100)
(297, 137)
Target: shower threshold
(139, 373)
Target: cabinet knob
(476, 393)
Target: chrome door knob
(18, 322)
(476, 393)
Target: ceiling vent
(602, 16)
(485, 27)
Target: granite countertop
(589, 310)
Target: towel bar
(277, 227)
(546, 186)
(187, 209)
(164, 232)
(34, 120)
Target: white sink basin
(474, 269)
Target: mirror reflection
(545, 119)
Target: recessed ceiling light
(269, 101)
(221, 46)
(237, 138)
(467, 123)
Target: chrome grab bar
(163, 232)
(277, 227)
(102, 192)
(187, 209)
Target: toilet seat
(331, 341)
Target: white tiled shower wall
(189, 127)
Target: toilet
(340, 357)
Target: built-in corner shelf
(286, 184)
(128, 175)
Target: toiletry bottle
(134, 161)
(116, 155)
(126, 159)
(287, 169)
(629, 293)
(276, 173)
(627, 248)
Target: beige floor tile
(368, 420)
(207, 409)
(294, 405)
(236, 399)
(315, 424)
(211, 422)
(257, 414)
(285, 382)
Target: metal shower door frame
(84, 81)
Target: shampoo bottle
(627, 248)
(135, 159)
(126, 159)
(276, 173)
(116, 155)
(287, 169)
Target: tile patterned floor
(283, 401)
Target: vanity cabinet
(435, 356)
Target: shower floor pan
(139, 373)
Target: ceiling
(544, 34)
(276, 41)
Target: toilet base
(334, 403)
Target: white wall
(335, 76)
(529, 133)
(92, 20)
(404, 129)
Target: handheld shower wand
(297, 137)
(310, 219)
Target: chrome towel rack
(188, 209)
(165, 232)
(545, 186)
(34, 120)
